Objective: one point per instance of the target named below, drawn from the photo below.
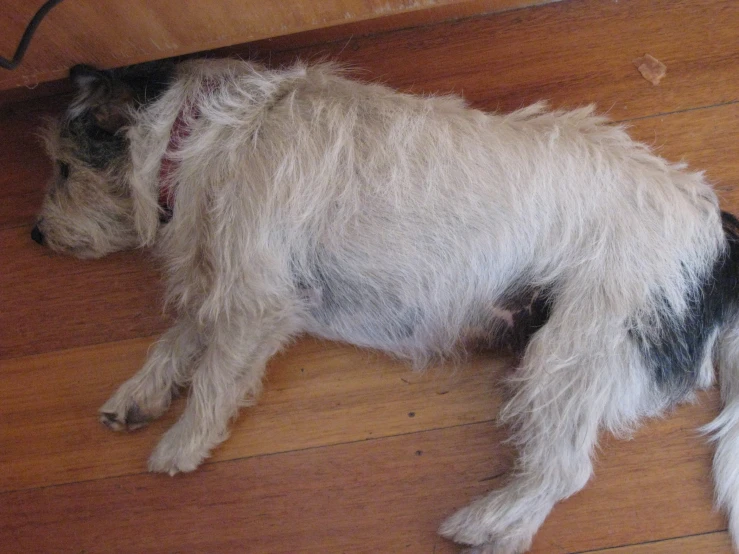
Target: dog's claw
(134, 419)
(177, 453)
(111, 421)
(482, 549)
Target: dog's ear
(111, 117)
(106, 98)
(87, 79)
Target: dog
(300, 201)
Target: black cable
(27, 35)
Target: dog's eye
(63, 170)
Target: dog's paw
(466, 527)
(477, 526)
(176, 453)
(131, 407)
(128, 417)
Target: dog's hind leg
(228, 375)
(567, 388)
(725, 428)
(147, 395)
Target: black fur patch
(529, 320)
(530, 309)
(677, 349)
(95, 146)
(146, 82)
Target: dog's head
(88, 209)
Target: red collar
(181, 129)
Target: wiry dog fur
(310, 203)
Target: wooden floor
(348, 451)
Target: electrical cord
(27, 35)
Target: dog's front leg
(147, 395)
(228, 375)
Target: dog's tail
(725, 428)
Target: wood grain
(385, 495)
(710, 543)
(706, 139)
(573, 53)
(52, 302)
(108, 33)
(25, 166)
(447, 13)
(316, 394)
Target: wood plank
(110, 34)
(25, 164)
(317, 393)
(500, 61)
(572, 53)
(51, 302)
(711, 543)
(385, 495)
(406, 20)
(708, 140)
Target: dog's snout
(37, 235)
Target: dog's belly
(364, 317)
(374, 315)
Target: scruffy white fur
(310, 203)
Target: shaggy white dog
(299, 201)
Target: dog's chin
(81, 250)
(85, 253)
(87, 246)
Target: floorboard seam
(656, 541)
(450, 21)
(674, 112)
(263, 455)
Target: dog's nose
(37, 235)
